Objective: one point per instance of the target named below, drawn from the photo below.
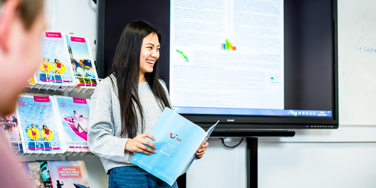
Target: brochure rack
(17, 148)
(55, 89)
(58, 88)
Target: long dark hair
(126, 69)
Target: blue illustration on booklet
(38, 131)
(177, 140)
(74, 115)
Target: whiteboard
(357, 62)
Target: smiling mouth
(150, 62)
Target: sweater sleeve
(103, 135)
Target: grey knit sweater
(105, 122)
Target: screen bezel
(231, 123)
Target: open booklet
(177, 140)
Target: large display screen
(226, 57)
(264, 64)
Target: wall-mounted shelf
(80, 149)
(78, 90)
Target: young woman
(126, 105)
(57, 66)
(45, 133)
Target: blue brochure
(37, 123)
(177, 140)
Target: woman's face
(149, 53)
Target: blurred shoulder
(106, 85)
(108, 81)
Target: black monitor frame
(109, 30)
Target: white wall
(76, 17)
(357, 66)
(345, 157)
(313, 165)
(314, 158)
(220, 167)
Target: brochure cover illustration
(45, 174)
(68, 174)
(55, 67)
(82, 62)
(177, 140)
(74, 118)
(37, 123)
(40, 174)
(9, 125)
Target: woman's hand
(201, 150)
(139, 144)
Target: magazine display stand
(66, 74)
(67, 66)
(60, 89)
(80, 146)
(38, 131)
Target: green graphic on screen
(183, 55)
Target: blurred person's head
(21, 25)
